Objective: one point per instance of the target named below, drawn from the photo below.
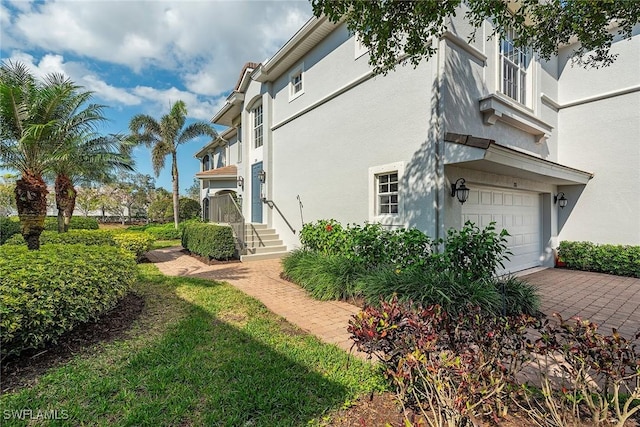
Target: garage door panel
(516, 211)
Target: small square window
(296, 82)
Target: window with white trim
(206, 163)
(296, 82)
(387, 193)
(222, 156)
(514, 67)
(239, 137)
(256, 115)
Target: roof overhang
(230, 110)
(227, 173)
(485, 155)
(311, 33)
(220, 141)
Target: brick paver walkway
(610, 301)
(327, 320)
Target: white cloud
(204, 42)
(78, 73)
(161, 100)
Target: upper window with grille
(257, 126)
(514, 68)
(296, 82)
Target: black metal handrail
(272, 205)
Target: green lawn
(202, 353)
(159, 244)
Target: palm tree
(28, 122)
(84, 155)
(164, 137)
(87, 158)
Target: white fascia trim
(464, 45)
(549, 101)
(390, 219)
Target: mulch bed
(208, 261)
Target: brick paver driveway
(610, 301)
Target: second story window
(222, 156)
(514, 66)
(257, 126)
(296, 82)
(206, 164)
(239, 143)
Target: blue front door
(256, 202)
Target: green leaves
(611, 259)
(209, 240)
(395, 30)
(38, 306)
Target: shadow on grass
(227, 362)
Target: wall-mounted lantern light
(262, 176)
(560, 200)
(241, 182)
(460, 191)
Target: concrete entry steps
(262, 243)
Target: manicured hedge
(76, 223)
(136, 242)
(47, 292)
(209, 240)
(8, 227)
(612, 259)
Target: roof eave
(294, 49)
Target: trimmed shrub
(611, 259)
(369, 244)
(76, 223)
(84, 237)
(209, 240)
(47, 292)
(8, 227)
(136, 242)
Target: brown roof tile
(223, 171)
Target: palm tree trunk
(31, 200)
(176, 194)
(65, 201)
(68, 212)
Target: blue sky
(141, 56)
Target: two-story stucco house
(547, 151)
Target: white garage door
(519, 213)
